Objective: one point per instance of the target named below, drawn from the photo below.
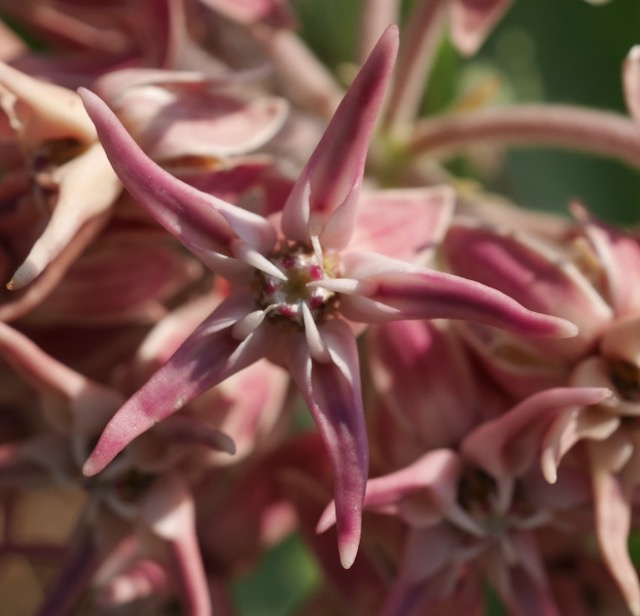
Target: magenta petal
(326, 194)
(204, 224)
(333, 394)
(206, 358)
(393, 290)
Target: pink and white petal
(538, 277)
(332, 392)
(88, 187)
(389, 289)
(188, 118)
(631, 82)
(613, 523)
(508, 445)
(406, 224)
(36, 111)
(472, 20)
(168, 510)
(208, 356)
(331, 179)
(203, 223)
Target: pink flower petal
(392, 290)
(205, 224)
(508, 445)
(324, 199)
(406, 224)
(332, 393)
(538, 277)
(206, 358)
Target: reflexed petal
(395, 290)
(332, 177)
(508, 445)
(203, 223)
(205, 359)
(333, 394)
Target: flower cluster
(206, 239)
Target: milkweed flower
(301, 283)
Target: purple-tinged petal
(430, 412)
(206, 358)
(507, 446)
(472, 20)
(540, 278)
(204, 224)
(613, 523)
(332, 392)
(433, 479)
(168, 508)
(631, 82)
(325, 197)
(406, 224)
(394, 290)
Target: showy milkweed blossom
(249, 302)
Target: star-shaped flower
(299, 283)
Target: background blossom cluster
(257, 308)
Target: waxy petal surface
(394, 290)
(508, 445)
(204, 224)
(332, 393)
(325, 197)
(206, 358)
(406, 224)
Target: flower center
(290, 296)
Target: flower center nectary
(286, 297)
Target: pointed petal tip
(92, 467)
(348, 553)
